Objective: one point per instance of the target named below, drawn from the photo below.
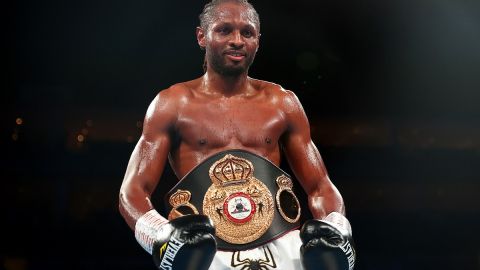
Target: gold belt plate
(240, 205)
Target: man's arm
(147, 160)
(327, 239)
(306, 162)
(183, 243)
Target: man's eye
(247, 33)
(224, 30)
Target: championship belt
(250, 200)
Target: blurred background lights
(80, 138)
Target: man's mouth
(235, 55)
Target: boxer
(223, 134)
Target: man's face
(231, 41)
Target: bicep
(301, 152)
(306, 162)
(147, 162)
(151, 152)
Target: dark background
(391, 89)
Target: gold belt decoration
(240, 205)
(287, 203)
(180, 201)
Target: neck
(225, 85)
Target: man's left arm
(306, 162)
(329, 233)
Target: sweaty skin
(225, 109)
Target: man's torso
(207, 124)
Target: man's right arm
(148, 159)
(184, 243)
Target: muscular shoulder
(175, 94)
(287, 102)
(163, 110)
(284, 99)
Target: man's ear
(201, 37)
(259, 35)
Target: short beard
(217, 63)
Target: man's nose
(237, 40)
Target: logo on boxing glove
(350, 253)
(168, 251)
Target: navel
(268, 141)
(202, 141)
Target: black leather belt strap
(197, 182)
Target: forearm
(137, 210)
(325, 200)
(141, 178)
(134, 202)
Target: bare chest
(222, 124)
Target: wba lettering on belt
(173, 247)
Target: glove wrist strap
(340, 222)
(147, 228)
